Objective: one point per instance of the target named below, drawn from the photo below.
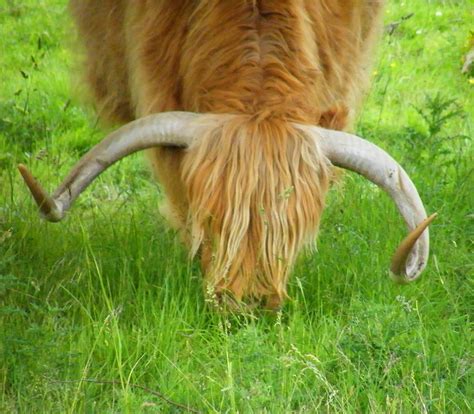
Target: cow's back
(307, 59)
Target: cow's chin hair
(256, 189)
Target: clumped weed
(431, 146)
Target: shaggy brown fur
(250, 193)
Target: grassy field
(109, 295)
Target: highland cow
(241, 105)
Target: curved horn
(356, 154)
(165, 129)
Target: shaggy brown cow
(246, 168)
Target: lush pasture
(109, 295)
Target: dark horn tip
(46, 204)
(398, 265)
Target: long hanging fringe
(256, 190)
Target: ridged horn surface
(367, 159)
(164, 129)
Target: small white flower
(438, 13)
(419, 31)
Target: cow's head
(181, 129)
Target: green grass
(110, 295)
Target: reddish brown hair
(251, 193)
